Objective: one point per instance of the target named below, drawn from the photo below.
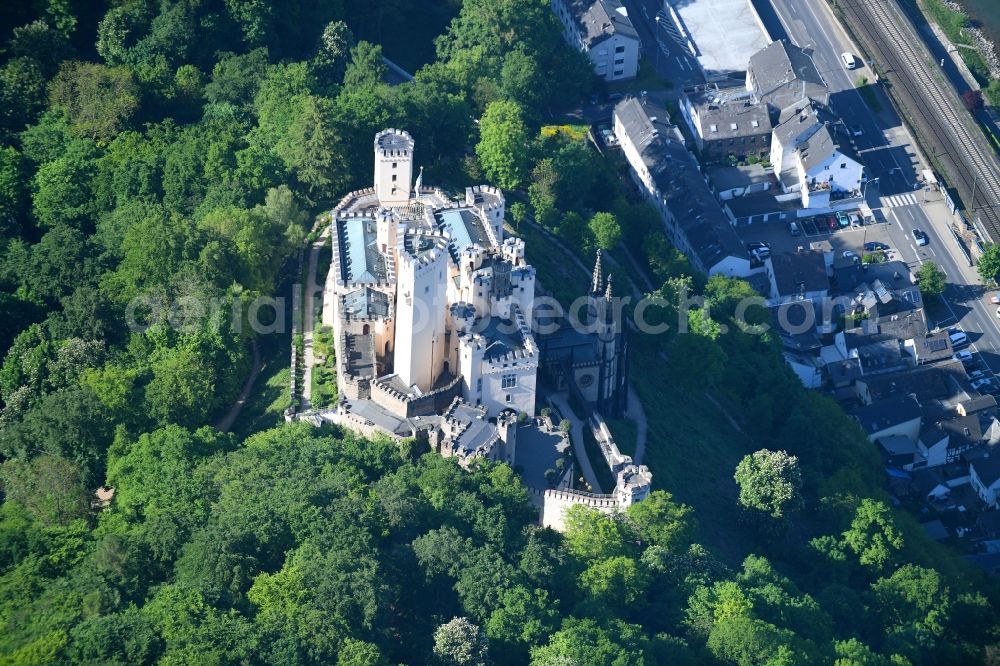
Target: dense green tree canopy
(161, 166)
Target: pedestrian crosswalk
(898, 200)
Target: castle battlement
(394, 143)
(350, 200)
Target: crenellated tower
(393, 167)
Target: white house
(601, 29)
(808, 159)
(984, 474)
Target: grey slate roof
(502, 338)
(817, 149)
(782, 72)
(881, 415)
(925, 383)
(679, 180)
(797, 272)
(360, 260)
(366, 303)
(600, 19)
(731, 118)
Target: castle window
(394, 178)
(393, 165)
(508, 381)
(479, 385)
(508, 397)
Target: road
(670, 61)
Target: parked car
(831, 222)
(958, 339)
(856, 130)
(920, 237)
(995, 299)
(875, 246)
(756, 245)
(850, 62)
(963, 356)
(980, 384)
(978, 374)
(794, 228)
(761, 253)
(855, 220)
(842, 219)
(849, 255)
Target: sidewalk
(308, 302)
(576, 437)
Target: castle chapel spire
(597, 284)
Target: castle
(431, 309)
(432, 314)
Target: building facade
(601, 29)
(431, 309)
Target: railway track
(898, 48)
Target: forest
(178, 152)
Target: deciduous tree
(503, 144)
(770, 483)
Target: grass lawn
(692, 451)
(270, 398)
(557, 273)
(324, 384)
(624, 432)
(575, 132)
(601, 470)
(324, 375)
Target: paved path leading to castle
(576, 436)
(637, 415)
(307, 326)
(227, 421)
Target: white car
(964, 357)
(848, 60)
(998, 313)
(958, 339)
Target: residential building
(808, 158)
(727, 124)
(899, 415)
(796, 276)
(945, 441)
(984, 476)
(601, 29)
(781, 74)
(670, 178)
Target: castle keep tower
(421, 307)
(393, 167)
